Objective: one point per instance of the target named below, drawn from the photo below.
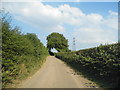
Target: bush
(100, 63)
(21, 53)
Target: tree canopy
(57, 41)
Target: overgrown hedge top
(100, 63)
(21, 53)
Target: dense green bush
(21, 53)
(100, 63)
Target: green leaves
(19, 49)
(57, 41)
(101, 62)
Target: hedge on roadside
(100, 63)
(22, 54)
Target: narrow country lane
(55, 74)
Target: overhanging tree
(57, 41)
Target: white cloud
(88, 28)
(95, 35)
(97, 30)
(113, 13)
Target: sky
(91, 23)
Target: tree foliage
(57, 41)
(21, 53)
(101, 64)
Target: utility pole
(74, 46)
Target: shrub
(100, 63)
